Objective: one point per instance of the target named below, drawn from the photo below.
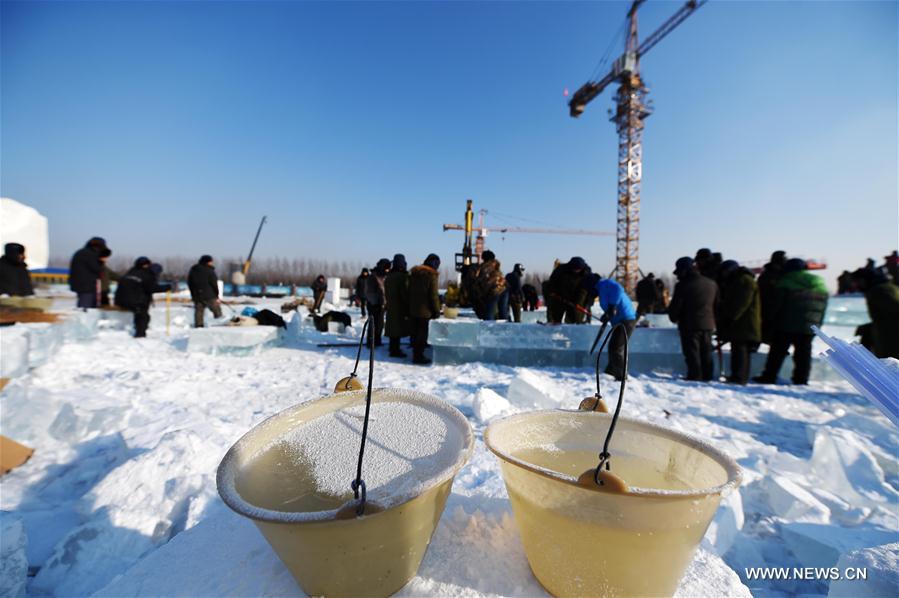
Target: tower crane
(472, 256)
(631, 110)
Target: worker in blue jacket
(617, 308)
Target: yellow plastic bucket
(372, 555)
(587, 542)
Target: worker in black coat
(14, 277)
(693, 310)
(516, 294)
(319, 286)
(85, 270)
(767, 281)
(647, 295)
(204, 289)
(565, 292)
(135, 293)
(531, 298)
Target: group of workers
(715, 302)
(400, 303)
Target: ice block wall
(333, 294)
(233, 340)
(658, 350)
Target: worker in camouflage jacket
(798, 303)
(424, 305)
(739, 318)
(376, 297)
(882, 297)
(396, 292)
(491, 288)
(360, 289)
(319, 287)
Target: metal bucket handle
(358, 484)
(605, 456)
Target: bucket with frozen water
(292, 475)
(627, 526)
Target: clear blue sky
(360, 128)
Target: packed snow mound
(23, 224)
(881, 564)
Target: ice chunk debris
(881, 564)
(529, 389)
(727, 523)
(792, 502)
(843, 464)
(14, 345)
(820, 545)
(132, 510)
(13, 562)
(488, 405)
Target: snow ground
(120, 493)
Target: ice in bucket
(292, 473)
(592, 542)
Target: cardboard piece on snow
(12, 454)
(3, 383)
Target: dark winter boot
(395, 350)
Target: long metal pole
(246, 264)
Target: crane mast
(631, 111)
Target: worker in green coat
(739, 318)
(396, 290)
(882, 297)
(799, 302)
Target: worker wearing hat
(693, 310)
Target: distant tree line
(270, 270)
